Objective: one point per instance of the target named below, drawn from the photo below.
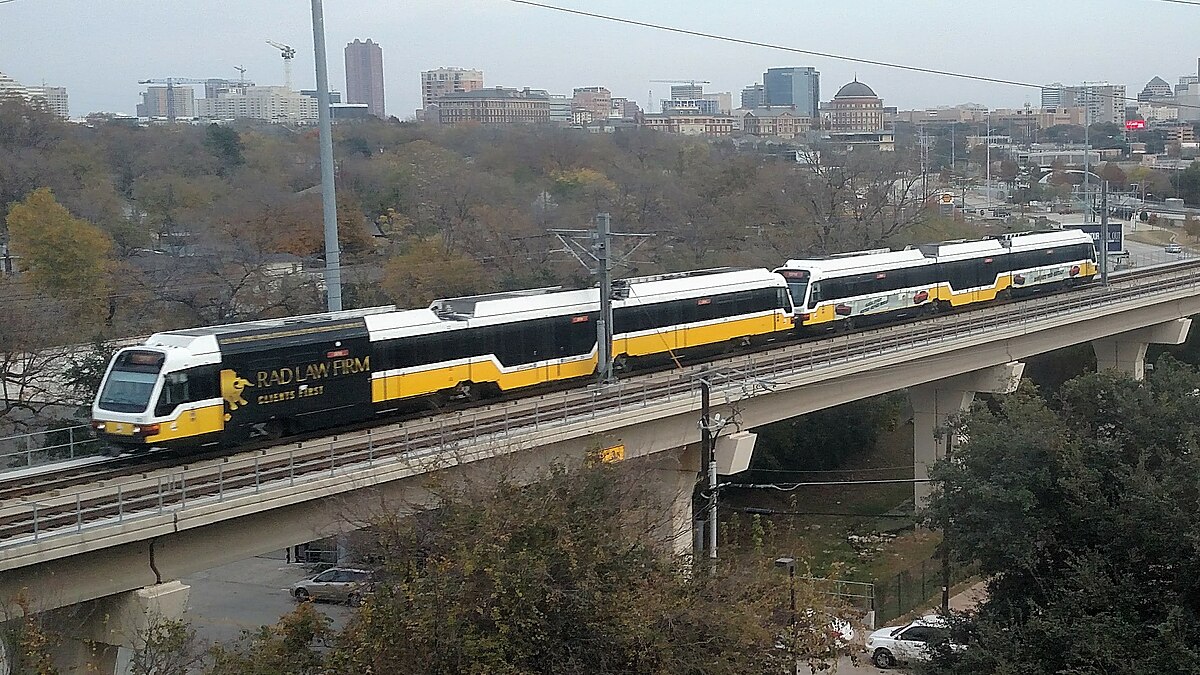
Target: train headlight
(146, 429)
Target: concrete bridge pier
(1126, 352)
(673, 475)
(934, 403)
(100, 636)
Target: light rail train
(264, 379)
(854, 289)
(234, 383)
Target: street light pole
(333, 263)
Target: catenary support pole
(333, 263)
(1104, 233)
(604, 323)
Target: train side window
(814, 294)
(175, 391)
(204, 384)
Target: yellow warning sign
(613, 454)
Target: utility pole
(597, 245)
(1104, 233)
(333, 263)
(708, 461)
(988, 158)
(1087, 159)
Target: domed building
(856, 108)
(855, 117)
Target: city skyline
(539, 52)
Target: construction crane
(288, 54)
(241, 74)
(171, 82)
(691, 82)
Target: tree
(1080, 512)
(429, 270)
(559, 576)
(63, 255)
(1187, 183)
(226, 145)
(1115, 176)
(290, 647)
(166, 647)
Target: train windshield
(130, 383)
(797, 281)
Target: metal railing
(436, 442)
(22, 451)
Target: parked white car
(1173, 248)
(908, 643)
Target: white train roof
(861, 262)
(961, 250)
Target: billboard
(1134, 125)
(1116, 239)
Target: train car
(230, 384)
(846, 290)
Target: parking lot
(241, 596)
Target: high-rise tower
(364, 76)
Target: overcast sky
(99, 49)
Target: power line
(827, 55)
(767, 45)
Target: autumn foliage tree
(63, 255)
(564, 575)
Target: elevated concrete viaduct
(942, 361)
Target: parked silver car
(338, 584)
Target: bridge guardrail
(240, 475)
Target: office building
(53, 98)
(334, 96)
(1052, 95)
(494, 106)
(595, 100)
(364, 76)
(800, 87)
(162, 101)
(442, 81)
(754, 96)
(774, 122)
(270, 104)
(687, 91)
(690, 124)
(1104, 102)
(1156, 89)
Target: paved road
(244, 595)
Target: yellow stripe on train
(484, 369)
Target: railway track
(126, 489)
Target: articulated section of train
(264, 379)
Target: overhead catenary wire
(812, 52)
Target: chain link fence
(917, 587)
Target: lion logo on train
(232, 388)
